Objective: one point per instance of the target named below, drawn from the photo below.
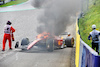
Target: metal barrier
(88, 57)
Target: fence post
(81, 6)
(87, 4)
(94, 2)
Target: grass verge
(86, 22)
(13, 3)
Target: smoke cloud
(57, 14)
(38, 3)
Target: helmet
(9, 23)
(69, 33)
(93, 26)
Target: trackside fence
(86, 4)
(85, 55)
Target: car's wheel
(24, 43)
(69, 41)
(50, 45)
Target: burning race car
(47, 41)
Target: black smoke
(56, 15)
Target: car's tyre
(50, 45)
(69, 41)
(24, 43)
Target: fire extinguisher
(13, 37)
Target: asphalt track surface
(25, 22)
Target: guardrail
(85, 55)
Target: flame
(43, 35)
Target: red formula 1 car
(47, 41)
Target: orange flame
(43, 35)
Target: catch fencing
(86, 4)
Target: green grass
(90, 18)
(13, 3)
